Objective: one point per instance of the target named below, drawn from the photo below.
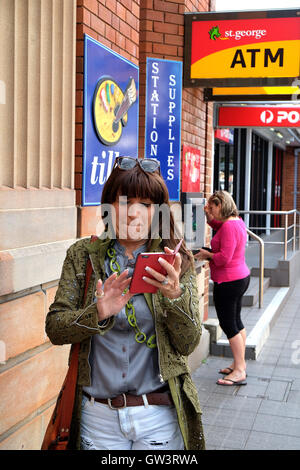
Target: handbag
(58, 430)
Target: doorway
(259, 178)
(276, 185)
(224, 167)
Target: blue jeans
(146, 427)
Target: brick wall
(137, 30)
(288, 172)
(287, 189)
(31, 369)
(116, 25)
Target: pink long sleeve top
(228, 246)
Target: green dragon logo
(214, 33)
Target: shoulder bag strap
(71, 378)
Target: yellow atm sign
(242, 48)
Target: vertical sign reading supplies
(163, 119)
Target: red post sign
(259, 116)
(192, 170)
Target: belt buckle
(117, 407)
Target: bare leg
(235, 365)
(237, 344)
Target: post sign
(163, 119)
(242, 48)
(192, 170)
(225, 135)
(258, 116)
(111, 87)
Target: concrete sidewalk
(264, 414)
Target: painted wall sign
(192, 170)
(163, 119)
(258, 116)
(236, 48)
(111, 88)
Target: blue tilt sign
(111, 88)
(163, 119)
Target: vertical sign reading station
(163, 119)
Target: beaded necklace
(140, 336)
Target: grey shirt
(118, 363)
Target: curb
(260, 332)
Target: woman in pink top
(231, 278)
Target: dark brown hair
(136, 183)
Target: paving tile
(287, 372)
(287, 361)
(234, 403)
(295, 384)
(267, 441)
(207, 371)
(279, 333)
(277, 425)
(225, 389)
(284, 409)
(286, 352)
(260, 370)
(294, 397)
(276, 342)
(218, 437)
(255, 388)
(264, 414)
(226, 418)
(272, 353)
(277, 390)
(294, 334)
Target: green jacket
(177, 325)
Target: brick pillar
(137, 30)
(162, 36)
(287, 187)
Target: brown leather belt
(126, 399)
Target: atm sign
(259, 116)
(238, 50)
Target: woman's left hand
(168, 285)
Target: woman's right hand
(113, 300)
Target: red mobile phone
(138, 285)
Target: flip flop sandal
(233, 382)
(222, 371)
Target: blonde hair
(228, 207)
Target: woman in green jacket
(134, 389)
